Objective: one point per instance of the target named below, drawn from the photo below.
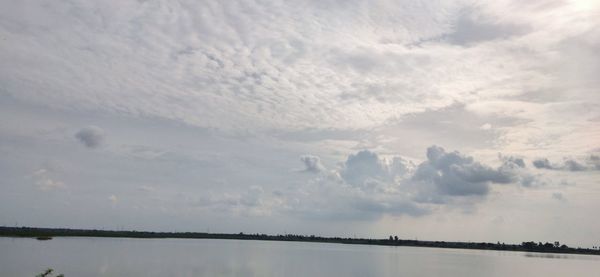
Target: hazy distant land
(47, 233)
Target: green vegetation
(547, 247)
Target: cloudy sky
(441, 120)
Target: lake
(77, 257)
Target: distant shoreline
(391, 241)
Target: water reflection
(189, 257)
(546, 255)
(561, 256)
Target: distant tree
(395, 238)
(529, 245)
(45, 273)
(48, 273)
(391, 238)
(556, 244)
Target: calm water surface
(76, 257)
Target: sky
(438, 120)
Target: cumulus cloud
(512, 161)
(312, 163)
(592, 162)
(90, 136)
(573, 165)
(543, 163)
(366, 166)
(368, 186)
(365, 186)
(454, 174)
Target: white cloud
(248, 55)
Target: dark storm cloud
(90, 136)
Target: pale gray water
(81, 257)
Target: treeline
(391, 241)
